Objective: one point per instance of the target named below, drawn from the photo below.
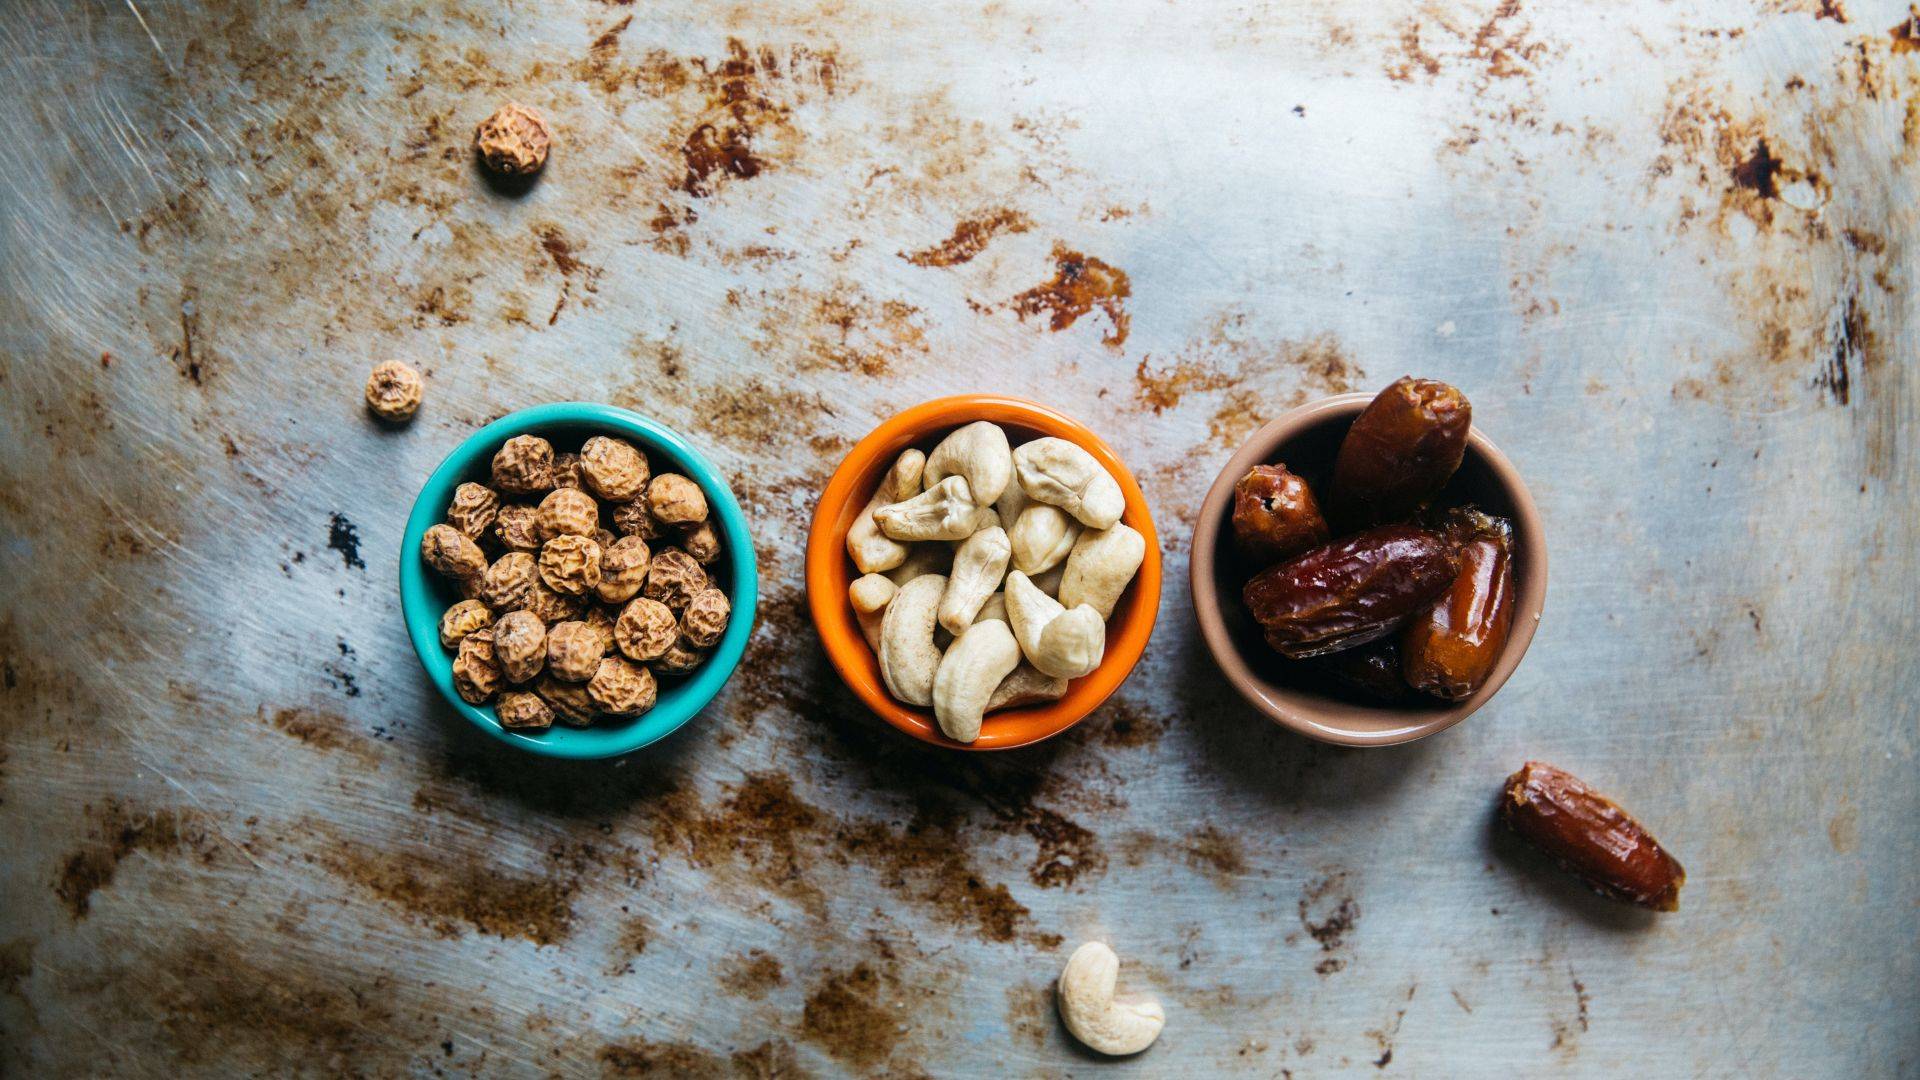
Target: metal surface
(1665, 248)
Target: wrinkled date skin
(1351, 591)
(1449, 649)
(1399, 453)
(1591, 836)
(1372, 669)
(1275, 515)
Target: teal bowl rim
(421, 607)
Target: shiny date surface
(1399, 453)
(1275, 515)
(1351, 591)
(1591, 836)
(1450, 648)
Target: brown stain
(1067, 849)
(969, 238)
(635, 935)
(756, 414)
(447, 892)
(1217, 853)
(847, 1015)
(1328, 912)
(686, 1061)
(1080, 285)
(1852, 351)
(839, 326)
(750, 95)
(1567, 1032)
(117, 831)
(564, 255)
(1244, 375)
(323, 731)
(751, 975)
(1905, 35)
(1128, 726)
(1843, 831)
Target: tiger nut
(614, 469)
(604, 538)
(676, 500)
(507, 581)
(574, 650)
(520, 645)
(566, 512)
(473, 509)
(601, 623)
(462, 619)
(673, 578)
(393, 392)
(551, 607)
(570, 702)
(645, 629)
(622, 688)
(570, 564)
(678, 657)
(522, 710)
(517, 528)
(523, 465)
(476, 675)
(701, 542)
(566, 472)
(634, 519)
(452, 552)
(705, 618)
(513, 141)
(623, 569)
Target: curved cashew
(922, 559)
(1102, 562)
(945, 511)
(1041, 537)
(979, 564)
(970, 672)
(979, 453)
(870, 596)
(1106, 1023)
(871, 551)
(1058, 472)
(903, 479)
(1026, 686)
(1062, 643)
(908, 656)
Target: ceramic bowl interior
(830, 571)
(424, 595)
(1306, 441)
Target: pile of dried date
(1394, 595)
(569, 613)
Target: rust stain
(1079, 285)
(634, 938)
(970, 237)
(750, 96)
(445, 894)
(118, 831)
(769, 1060)
(1905, 35)
(1854, 348)
(751, 975)
(1328, 912)
(322, 731)
(840, 327)
(846, 1015)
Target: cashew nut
(945, 511)
(922, 559)
(994, 608)
(1058, 472)
(908, 656)
(979, 565)
(870, 596)
(903, 479)
(1041, 537)
(1102, 562)
(1060, 642)
(1026, 686)
(1009, 504)
(1106, 1023)
(1049, 582)
(979, 453)
(969, 674)
(871, 551)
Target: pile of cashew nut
(989, 572)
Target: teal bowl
(424, 595)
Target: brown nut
(623, 569)
(507, 581)
(566, 512)
(523, 465)
(673, 578)
(1589, 835)
(452, 552)
(476, 674)
(393, 392)
(679, 657)
(513, 141)
(473, 509)
(614, 469)
(676, 500)
(1275, 516)
(705, 618)
(574, 650)
(520, 645)
(600, 621)
(645, 629)
(523, 710)
(551, 607)
(517, 528)
(566, 472)
(570, 702)
(1399, 452)
(634, 519)
(604, 538)
(701, 542)
(462, 619)
(570, 565)
(622, 688)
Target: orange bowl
(830, 571)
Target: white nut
(968, 675)
(1060, 642)
(904, 479)
(945, 511)
(1058, 472)
(922, 559)
(1041, 537)
(870, 596)
(1102, 563)
(977, 452)
(908, 657)
(1009, 505)
(1026, 686)
(1106, 1023)
(979, 565)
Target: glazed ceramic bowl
(1306, 441)
(424, 595)
(830, 571)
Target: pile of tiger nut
(569, 613)
(990, 572)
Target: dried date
(1399, 453)
(1449, 649)
(1275, 515)
(1591, 836)
(1372, 669)
(1351, 591)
